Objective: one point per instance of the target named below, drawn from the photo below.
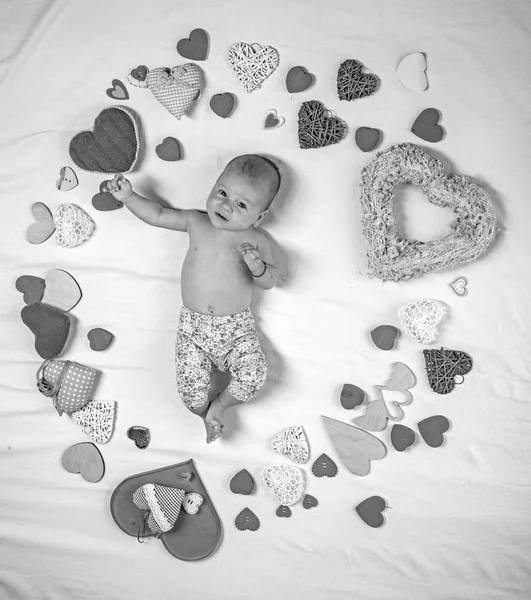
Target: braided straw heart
(252, 63)
(317, 128)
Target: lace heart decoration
(420, 319)
(97, 420)
(252, 63)
(285, 482)
(292, 443)
(73, 225)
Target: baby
(227, 255)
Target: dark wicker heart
(442, 366)
(352, 83)
(112, 147)
(317, 128)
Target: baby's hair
(255, 166)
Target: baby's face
(235, 202)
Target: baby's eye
(241, 205)
(223, 193)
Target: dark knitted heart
(352, 83)
(284, 511)
(105, 201)
(32, 288)
(432, 429)
(140, 435)
(317, 128)
(247, 520)
(50, 326)
(112, 147)
(402, 437)
(309, 501)
(324, 466)
(443, 366)
(371, 510)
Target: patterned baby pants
(230, 343)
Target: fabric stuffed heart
(112, 146)
(73, 225)
(162, 503)
(252, 63)
(175, 88)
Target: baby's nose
(226, 206)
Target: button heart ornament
(420, 319)
(310, 501)
(443, 366)
(411, 72)
(84, 459)
(194, 47)
(73, 225)
(273, 121)
(192, 502)
(283, 511)
(111, 147)
(247, 520)
(104, 200)
(140, 435)
(459, 286)
(426, 126)
(118, 91)
(324, 466)
(353, 83)
(174, 88)
(371, 509)
(285, 482)
(252, 63)
(317, 127)
(42, 229)
(67, 180)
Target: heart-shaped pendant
(352, 83)
(426, 126)
(411, 72)
(402, 437)
(317, 127)
(351, 396)
(169, 150)
(39, 232)
(252, 63)
(367, 138)
(222, 104)
(459, 286)
(104, 200)
(99, 339)
(242, 483)
(32, 288)
(371, 509)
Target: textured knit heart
(459, 286)
(352, 83)
(32, 288)
(112, 146)
(247, 520)
(73, 225)
(324, 466)
(252, 63)
(317, 127)
(432, 429)
(420, 319)
(292, 443)
(194, 47)
(283, 511)
(411, 72)
(105, 201)
(443, 366)
(174, 88)
(39, 232)
(285, 482)
(97, 420)
(426, 126)
(67, 180)
(371, 509)
(310, 501)
(140, 435)
(118, 91)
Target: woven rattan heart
(317, 128)
(252, 63)
(352, 83)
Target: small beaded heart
(352, 83)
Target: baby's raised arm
(147, 210)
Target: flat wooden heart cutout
(298, 80)
(432, 430)
(402, 380)
(242, 483)
(32, 288)
(402, 437)
(367, 138)
(169, 150)
(85, 459)
(104, 200)
(411, 72)
(385, 336)
(67, 179)
(351, 396)
(62, 290)
(99, 338)
(426, 126)
(273, 121)
(324, 466)
(459, 286)
(194, 47)
(371, 509)
(39, 232)
(222, 104)
(50, 325)
(118, 91)
(377, 414)
(247, 520)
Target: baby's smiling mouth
(221, 216)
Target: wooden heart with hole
(44, 226)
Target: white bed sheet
(458, 522)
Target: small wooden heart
(86, 459)
(247, 520)
(411, 72)
(67, 179)
(40, 231)
(118, 91)
(100, 339)
(105, 201)
(140, 435)
(459, 286)
(351, 396)
(222, 104)
(371, 509)
(283, 511)
(324, 466)
(426, 126)
(402, 437)
(242, 483)
(273, 121)
(62, 290)
(194, 47)
(32, 288)
(367, 138)
(169, 150)
(385, 336)
(432, 430)
(310, 501)
(298, 80)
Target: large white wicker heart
(285, 482)
(252, 63)
(73, 225)
(292, 443)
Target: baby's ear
(261, 217)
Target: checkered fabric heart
(163, 503)
(252, 63)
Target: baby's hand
(120, 188)
(252, 259)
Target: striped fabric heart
(162, 503)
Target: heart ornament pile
(252, 63)
(292, 443)
(393, 258)
(285, 482)
(420, 319)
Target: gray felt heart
(432, 429)
(371, 509)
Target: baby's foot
(214, 420)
